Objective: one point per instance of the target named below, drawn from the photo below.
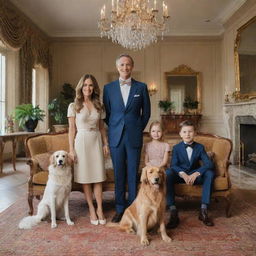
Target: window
(2, 90)
(34, 87)
(40, 93)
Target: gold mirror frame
(183, 70)
(241, 96)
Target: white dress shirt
(125, 88)
(189, 152)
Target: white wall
(202, 55)
(74, 57)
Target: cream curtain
(17, 32)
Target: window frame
(3, 83)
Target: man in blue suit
(127, 107)
(191, 165)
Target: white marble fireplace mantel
(231, 113)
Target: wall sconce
(152, 89)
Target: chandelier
(134, 24)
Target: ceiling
(79, 18)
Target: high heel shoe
(103, 222)
(94, 222)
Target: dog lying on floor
(148, 209)
(56, 194)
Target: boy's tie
(190, 145)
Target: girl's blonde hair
(95, 97)
(156, 123)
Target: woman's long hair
(95, 97)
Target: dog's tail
(29, 221)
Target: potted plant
(166, 105)
(190, 105)
(59, 105)
(28, 116)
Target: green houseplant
(166, 105)
(190, 104)
(28, 116)
(59, 105)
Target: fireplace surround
(235, 115)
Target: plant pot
(60, 127)
(190, 111)
(31, 125)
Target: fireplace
(248, 145)
(240, 122)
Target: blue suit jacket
(180, 161)
(133, 117)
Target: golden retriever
(56, 193)
(148, 209)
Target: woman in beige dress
(86, 133)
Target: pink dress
(156, 152)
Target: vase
(31, 125)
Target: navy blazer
(133, 117)
(181, 163)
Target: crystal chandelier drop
(134, 24)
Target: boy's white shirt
(189, 152)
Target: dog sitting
(148, 209)
(56, 194)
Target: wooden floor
(13, 184)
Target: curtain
(18, 32)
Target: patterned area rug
(233, 236)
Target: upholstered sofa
(40, 147)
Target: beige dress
(88, 146)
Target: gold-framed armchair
(39, 149)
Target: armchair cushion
(43, 160)
(220, 184)
(40, 178)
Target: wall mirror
(181, 83)
(245, 59)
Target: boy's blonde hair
(156, 123)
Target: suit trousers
(206, 179)
(126, 161)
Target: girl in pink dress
(156, 151)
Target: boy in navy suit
(186, 168)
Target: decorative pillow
(43, 160)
